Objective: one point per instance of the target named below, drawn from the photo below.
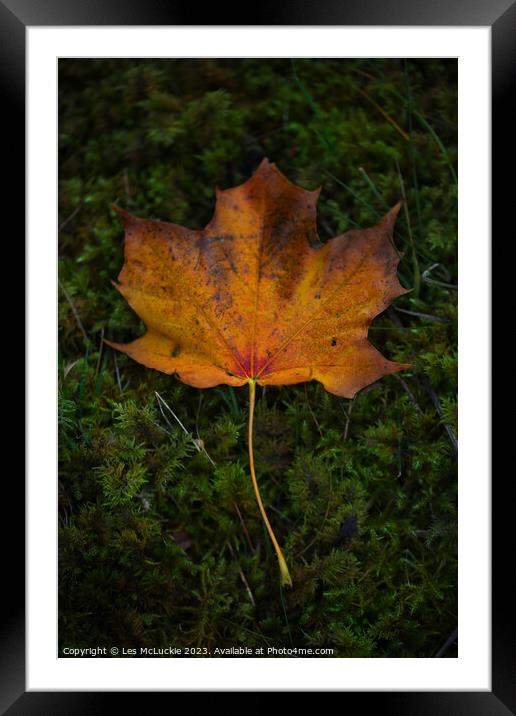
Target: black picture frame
(500, 15)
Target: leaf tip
(111, 344)
(390, 217)
(123, 214)
(397, 367)
(265, 166)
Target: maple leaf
(254, 298)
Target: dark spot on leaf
(176, 350)
(334, 341)
(317, 295)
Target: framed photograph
(258, 265)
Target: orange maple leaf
(253, 299)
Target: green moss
(161, 542)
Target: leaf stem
(285, 575)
